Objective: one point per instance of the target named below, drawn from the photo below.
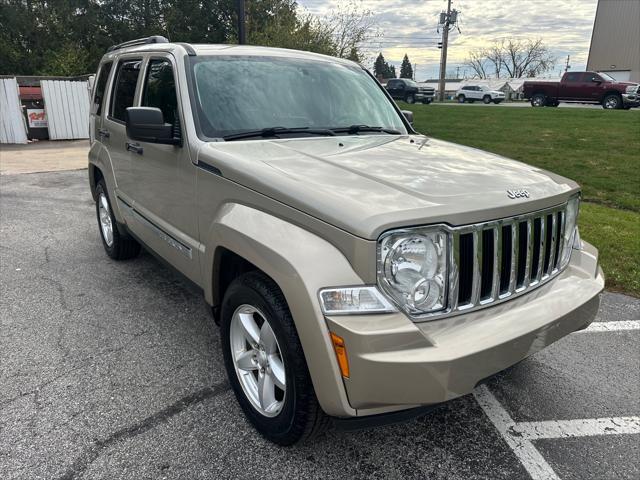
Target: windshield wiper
(275, 131)
(353, 129)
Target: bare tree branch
(515, 57)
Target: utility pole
(443, 56)
(242, 36)
(567, 66)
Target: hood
(368, 184)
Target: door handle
(134, 147)
(104, 133)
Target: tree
(382, 69)
(350, 26)
(406, 70)
(68, 37)
(513, 58)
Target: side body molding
(300, 263)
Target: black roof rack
(139, 41)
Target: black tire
(497, 102)
(301, 416)
(410, 98)
(539, 100)
(486, 99)
(426, 101)
(123, 247)
(461, 99)
(613, 101)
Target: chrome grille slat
(515, 241)
(563, 218)
(552, 247)
(477, 267)
(454, 261)
(492, 287)
(497, 262)
(543, 236)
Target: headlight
(631, 89)
(571, 235)
(412, 269)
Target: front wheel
(612, 102)
(486, 99)
(265, 362)
(117, 245)
(410, 98)
(538, 100)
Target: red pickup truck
(583, 87)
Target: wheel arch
(95, 175)
(243, 238)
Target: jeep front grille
(494, 261)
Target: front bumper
(630, 100)
(398, 364)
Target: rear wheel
(486, 99)
(117, 245)
(265, 362)
(539, 100)
(461, 99)
(410, 98)
(612, 102)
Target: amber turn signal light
(341, 354)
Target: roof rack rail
(139, 41)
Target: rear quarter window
(101, 86)
(124, 88)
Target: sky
(409, 26)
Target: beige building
(615, 42)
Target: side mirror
(596, 80)
(146, 124)
(408, 115)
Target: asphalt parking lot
(113, 370)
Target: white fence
(67, 106)
(12, 123)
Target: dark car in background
(583, 87)
(409, 91)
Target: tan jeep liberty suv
(360, 272)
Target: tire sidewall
(461, 99)
(410, 99)
(111, 250)
(275, 428)
(486, 99)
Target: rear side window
(160, 89)
(124, 88)
(101, 86)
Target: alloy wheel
(611, 102)
(106, 225)
(258, 360)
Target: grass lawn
(597, 148)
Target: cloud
(409, 26)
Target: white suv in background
(471, 93)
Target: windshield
(607, 77)
(241, 94)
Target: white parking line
(519, 435)
(531, 459)
(612, 326)
(587, 427)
